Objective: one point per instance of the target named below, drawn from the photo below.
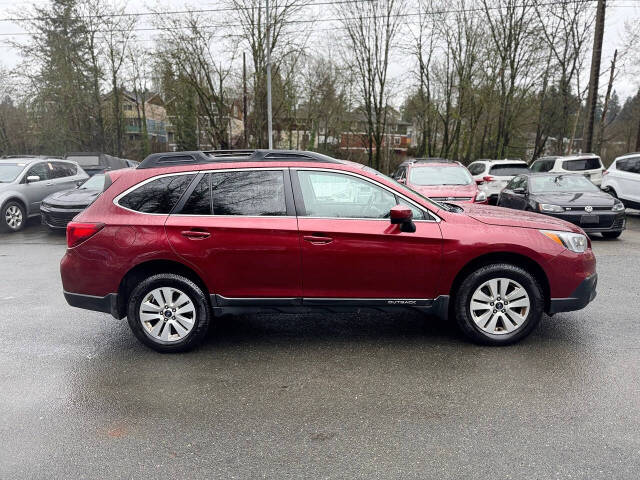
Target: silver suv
(25, 181)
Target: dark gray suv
(25, 181)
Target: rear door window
(157, 196)
(199, 202)
(249, 193)
(63, 169)
(582, 164)
(508, 169)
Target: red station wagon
(191, 235)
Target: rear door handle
(195, 234)
(317, 239)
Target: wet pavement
(316, 396)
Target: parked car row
(54, 188)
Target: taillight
(79, 232)
(488, 178)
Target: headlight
(481, 196)
(576, 242)
(618, 207)
(547, 207)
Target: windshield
(85, 160)
(405, 189)
(562, 183)
(434, 175)
(10, 171)
(94, 183)
(508, 169)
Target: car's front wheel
(13, 217)
(168, 313)
(498, 304)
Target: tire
(166, 334)
(505, 330)
(611, 235)
(13, 217)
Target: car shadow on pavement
(327, 327)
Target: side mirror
(33, 178)
(403, 216)
(519, 191)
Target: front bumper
(580, 298)
(608, 221)
(58, 217)
(106, 304)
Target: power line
(320, 20)
(169, 12)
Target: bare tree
(515, 42)
(118, 30)
(198, 52)
(371, 32)
(286, 43)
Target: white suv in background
(493, 175)
(586, 164)
(622, 179)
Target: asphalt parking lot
(316, 396)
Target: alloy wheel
(167, 314)
(500, 306)
(13, 217)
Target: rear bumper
(580, 298)
(106, 304)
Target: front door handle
(195, 234)
(317, 239)
(48, 184)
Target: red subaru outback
(191, 235)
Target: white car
(493, 175)
(586, 164)
(622, 179)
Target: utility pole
(596, 56)
(269, 124)
(244, 99)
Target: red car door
(349, 248)
(238, 228)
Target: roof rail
(200, 157)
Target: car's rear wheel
(498, 304)
(611, 234)
(168, 313)
(13, 218)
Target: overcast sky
(618, 12)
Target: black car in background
(59, 208)
(570, 197)
(96, 162)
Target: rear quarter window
(582, 164)
(508, 169)
(476, 168)
(542, 165)
(631, 165)
(157, 196)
